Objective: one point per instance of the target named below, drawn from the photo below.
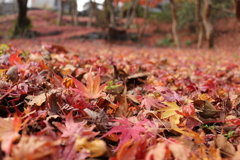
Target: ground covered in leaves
(100, 101)
(119, 104)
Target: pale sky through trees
(82, 2)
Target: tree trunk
(112, 14)
(23, 23)
(174, 23)
(91, 13)
(74, 12)
(207, 23)
(60, 12)
(130, 18)
(198, 5)
(237, 9)
(109, 13)
(143, 26)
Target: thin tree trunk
(90, 16)
(23, 23)
(198, 4)
(129, 19)
(111, 11)
(74, 12)
(143, 27)
(174, 23)
(60, 12)
(207, 23)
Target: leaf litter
(113, 106)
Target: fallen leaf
(170, 112)
(128, 151)
(93, 89)
(12, 73)
(206, 108)
(95, 147)
(226, 148)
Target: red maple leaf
(15, 58)
(129, 130)
(70, 128)
(92, 90)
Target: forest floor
(227, 32)
(118, 100)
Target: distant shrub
(166, 42)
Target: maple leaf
(129, 129)
(92, 90)
(95, 147)
(32, 147)
(163, 150)
(9, 132)
(187, 110)
(149, 102)
(70, 128)
(170, 112)
(15, 58)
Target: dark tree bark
(207, 23)
(198, 6)
(237, 9)
(23, 23)
(174, 23)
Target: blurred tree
(198, 6)
(109, 12)
(174, 24)
(237, 9)
(23, 22)
(60, 12)
(93, 12)
(207, 22)
(131, 13)
(72, 10)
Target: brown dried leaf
(208, 110)
(12, 73)
(123, 106)
(226, 148)
(38, 99)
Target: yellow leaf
(96, 147)
(170, 111)
(205, 97)
(174, 120)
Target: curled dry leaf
(12, 73)
(36, 100)
(226, 148)
(206, 108)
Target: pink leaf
(149, 102)
(129, 130)
(70, 128)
